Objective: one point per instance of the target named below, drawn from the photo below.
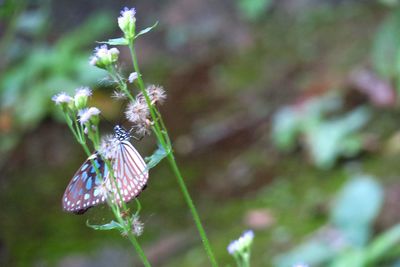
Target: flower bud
(104, 57)
(81, 97)
(126, 22)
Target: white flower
(137, 225)
(88, 113)
(132, 77)
(126, 22)
(81, 96)
(62, 98)
(242, 244)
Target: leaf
(364, 196)
(116, 41)
(146, 30)
(383, 244)
(108, 226)
(157, 156)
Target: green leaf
(157, 156)
(116, 41)
(146, 30)
(383, 244)
(108, 226)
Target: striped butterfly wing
(82, 191)
(130, 171)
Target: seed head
(137, 225)
(157, 94)
(137, 111)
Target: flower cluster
(138, 112)
(108, 147)
(104, 57)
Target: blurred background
(284, 117)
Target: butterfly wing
(130, 171)
(82, 191)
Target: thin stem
(192, 208)
(162, 136)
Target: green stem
(162, 136)
(192, 208)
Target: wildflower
(103, 189)
(137, 225)
(89, 114)
(104, 57)
(108, 147)
(242, 244)
(132, 77)
(81, 97)
(126, 22)
(119, 95)
(62, 98)
(156, 94)
(137, 111)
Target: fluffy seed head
(157, 94)
(137, 111)
(137, 225)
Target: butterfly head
(120, 133)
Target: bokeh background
(284, 117)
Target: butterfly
(86, 189)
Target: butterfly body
(87, 189)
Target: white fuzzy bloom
(240, 245)
(62, 98)
(86, 114)
(126, 22)
(156, 94)
(103, 56)
(137, 226)
(83, 92)
(133, 77)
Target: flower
(137, 225)
(81, 96)
(156, 94)
(132, 77)
(104, 57)
(89, 114)
(62, 98)
(137, 111)
(108, 147)
(126, 22)
(242, 244)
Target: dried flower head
(126, 22)
(137, 225)
(132, 77)
(156, 94)
(108, 147)
(89, 114)
(142, 128)
(62, 98)
(137, 111)
(242, 244)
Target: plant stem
(163, 137)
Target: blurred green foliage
(324, 137)
(35, 71)
(344, 240)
